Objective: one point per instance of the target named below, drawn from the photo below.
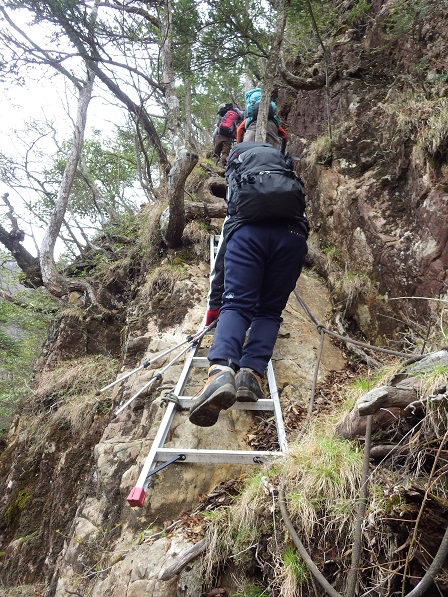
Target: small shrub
(16, 507)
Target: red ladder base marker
(137, 497)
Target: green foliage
(296, 566)
(244, 537)
(187, 24)
(8, 344)
(360, 9)
(331, 250)
(107, 175)
(22, 332)
(16, 507)
(374, 378)
(405, 15)
(433, 379)
(233, 33)
(333, 254)
(323, 475)
(212, 86)
(250, 590)
(434, 372)
(320, 150)
(363, 384)
(301, 41)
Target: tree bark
(53, 280)
(195, 210)
(308, 84)
(271, 72)
(12, 241)
(185, 157)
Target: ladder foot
(137, 497)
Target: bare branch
(48, 58)
(133, 10)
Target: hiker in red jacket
(225, 132)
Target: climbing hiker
(275, 133)
(224, 134)
(257, 266)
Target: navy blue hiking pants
(262, 264)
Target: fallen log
(185, 558)
(383, 450)
(385, 397)
(195, 210)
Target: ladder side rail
(157, 443)
(281, 432)
(215, 245)
(212, 251)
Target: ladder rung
(200, 362)
(265, 404)
(216, 456)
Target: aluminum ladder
(166, 456)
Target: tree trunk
(271, 72)
(12, 241)
(54, 281)
(185, 157)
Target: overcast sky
(47, 97)
(48, 100)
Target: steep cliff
(377, 190)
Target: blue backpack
(252, 99)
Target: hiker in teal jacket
(275, 134)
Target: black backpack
(262, 184)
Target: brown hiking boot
(219, 393)
(249, 386)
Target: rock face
(378, 196)
(69, 524)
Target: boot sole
(245, 395)
(207, 413)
